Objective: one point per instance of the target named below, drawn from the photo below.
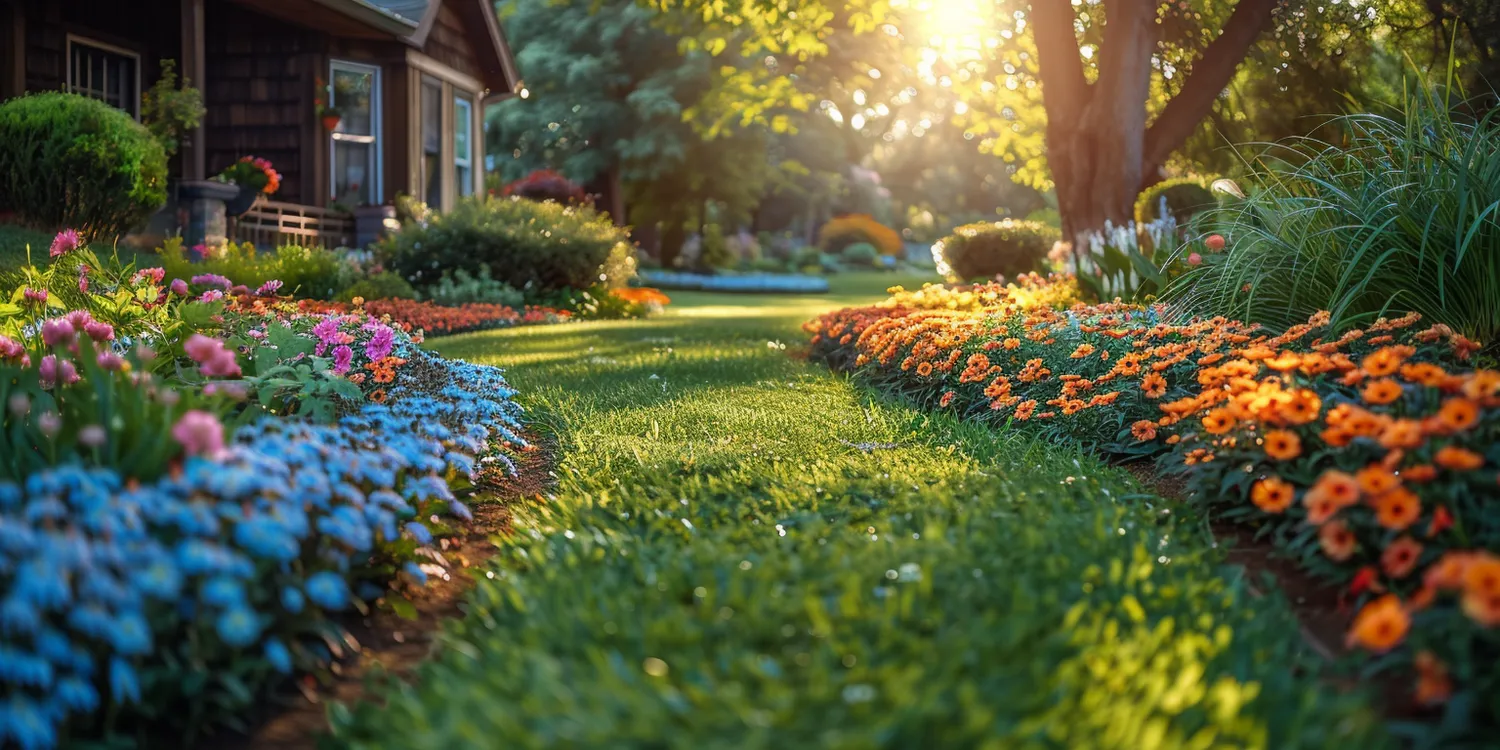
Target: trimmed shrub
(850, 229)
(860, 254)
(303, 271)
(463, 288)
(383, 285)
(1185, 197)
(538, 248)
(1002, 248)
(546, 185)
(71, 161)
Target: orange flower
(924, 369)
(1382, 362)
(1424, 373)
(1082, 351)
(1218, 422)
(1483, 386)
(1382, 391)
(1284, 362)
(1272, 494)
(1402, 433)
(1482, 574)
(1340, 488)
(1153, 385)
(1143, 431)
(378, 395)
(1400, 557)
(1433, 684)
(1302, 408)
(1376, 480)
(1458, 414)
(1025, 410)
(1011, 344)
(1482, 608)
(1381, 625)
(946, 399)
(1397, 509)
(1442, 520)
(1336, 540)
(1282, 445)
(1448, 572)
(1419, 473)
(1458, 459)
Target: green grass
(745, 551)
(15, 239)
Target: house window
(109, 74)
(432, 142)
(356, 142)
(463, 143)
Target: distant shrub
(383, 285)
(1002, 248)
(460, 287)
(843, 231)
(303, 271)
(860, 254)
(716, 251)
(71, 161)
(546, 185)
(538, 248)
(1185, 197)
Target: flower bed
(184, 510)
(1369, 457)
(439, 320)
(775, 283)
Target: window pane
(103, 74)
(463, 146)
(353, 172)
(432, 143)
(352, 95)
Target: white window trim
(376, 118)
(468, 100)
(68, 64)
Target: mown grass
(15, 241)
(744, 551)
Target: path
(745, 551)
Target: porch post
(194, 64)
(16, 65)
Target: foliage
(860, 255)
(169, 110)
(1368, 457)
(1183, 198)
(546, 185)
(431, 319)
(850, 229)
(676, 582)
(1138, 263)
(715, 252)
(459, 287)
(313, 272)
(1002, 248)
(1335, 227)
(383, 285)
(619, 304)
(535, 247)
(70, 161)
(254, 173)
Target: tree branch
(1210, 74)
(1060, 66)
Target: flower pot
(331, 122)
(242, 201)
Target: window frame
(426, 81)
(376, 138)
(467, 99)
(71, 39)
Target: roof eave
(372, 16)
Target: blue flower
(419, 532)
(278, 656)
(18, 616)
(19, 667)
(238, 626)
(76, 694)
(264, 537)
(328, 590)
(415, 571)
(124, 686)
(223, 592)
(159, 580)
(292, 599)
(25, 722)
(42, 584)
(131, 634)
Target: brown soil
(386, 642)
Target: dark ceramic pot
(242, 201)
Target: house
(411, 79)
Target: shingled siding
(449, 43)
(259, 96)
(149, 31)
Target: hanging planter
(331, 121)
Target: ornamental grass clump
(1404, 217)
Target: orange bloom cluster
(643, 295)
(1376, 447)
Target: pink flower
(99, 331)
(65, 242)
(179, 288)
(201, 348)
(38, 296)
(223, 365)
(57, 332)
(154, 275)
(343, 356)
(49, 423)
(269, 288)
(110, 361)
(11, 349)
(212, 295)
(53, 370)
(212, 279)
(19, 404)
(379, 346)
(83, 280)
(1215, 242)
(200, 433)
(231, 389)
(1195, 259)
(92, 436)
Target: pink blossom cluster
(214, 359)
(65, 242)
(200, 433)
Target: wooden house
(410, 78)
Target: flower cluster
(254, 173)
(440, 320)
(1369, 454)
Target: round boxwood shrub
(383, 285)
(70, 161)
(1185, 196)
(538, 248)
(860, 255)
(985, 250)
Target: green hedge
(1008, 248)
(71, 161)
(538, 248)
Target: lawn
(743, 550)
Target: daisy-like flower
(65, 242)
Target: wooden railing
(273, 224)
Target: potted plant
(255, 177)
(330, 115)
